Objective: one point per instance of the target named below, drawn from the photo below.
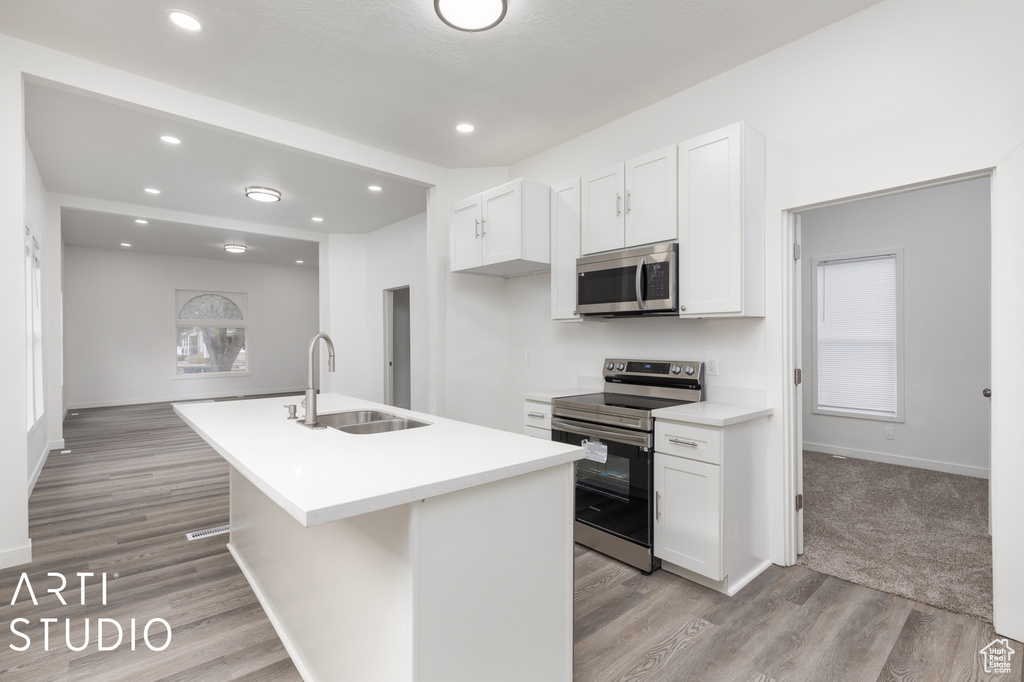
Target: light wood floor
(137, 479)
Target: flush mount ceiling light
(317, 219)
(170, 139)
(298, 262)
(185, 20)
(234, 248)
(471, 15)
(374, 188)
(141, 221)
(126, 245)
(152, 190)
(263, 194)
(465, 127)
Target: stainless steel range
(614, 509)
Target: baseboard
(278, 627)
(901, 460)
(16, 556)
(54, 445)
(179, 398)
(727, 587)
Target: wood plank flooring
(137, 479)
(788, 624)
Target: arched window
(211, 337)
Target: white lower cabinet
(537, 419)
(710, 483)
(688, 514)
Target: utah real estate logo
(997, 656)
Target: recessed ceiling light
(465, 127)
(266, 194)
(298, 262)
(152, 190)
(471, 15)
(170, 139)
(234, 248)
(140, 221)
(317, 219)
(374, 188)
(185, 20)
(125, 244)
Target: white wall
(120, 325)
(946, 237)
(15, 545)
(39, 220)
(362, 268)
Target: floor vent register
(209, 532)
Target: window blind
(856, 335)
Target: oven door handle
(642, 439)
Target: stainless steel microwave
(639, 281)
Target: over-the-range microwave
(638, 281)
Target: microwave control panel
(659, 286)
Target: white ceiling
(101, 230)
(388, 74)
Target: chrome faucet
(310, 420)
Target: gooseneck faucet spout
(310, 419)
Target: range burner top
(633, 388)
(623, 400)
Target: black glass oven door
(614, 495)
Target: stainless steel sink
(338, 419)
(367, 421)
(397, 424)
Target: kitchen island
(443, 552)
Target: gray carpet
(919, 534)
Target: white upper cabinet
(721, 224)
(503, 231)
(651, 198)
(565, 248)
(630, 204)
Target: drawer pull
(687, 443)
(535, 415)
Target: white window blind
(857, 344)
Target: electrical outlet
(890, 433)
(711, 366)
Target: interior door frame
(389, 350)
(955, 170)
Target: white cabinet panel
(721, 224)
(651, 188)
(466, 233)
(565, 248)
(688, 519)
(603, 219)
(502, 226)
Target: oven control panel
(625, 370)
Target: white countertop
(712, 414)
(548, 396)
(319, 476)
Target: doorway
(937, 429)
(398, 347)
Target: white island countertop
(323, 475)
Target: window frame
(899, 415)
(241, 301)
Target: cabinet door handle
(657, 505)
(687, 443)
(535, 415)
(483, 226)
(618, 204)
(476, 227)
(629, 201)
